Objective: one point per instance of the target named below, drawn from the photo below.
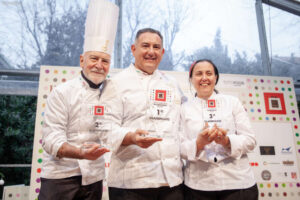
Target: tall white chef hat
(101, 26)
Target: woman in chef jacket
(216, 138)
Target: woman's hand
(206, 136)
(222, 138)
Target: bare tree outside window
(134, 18)
(50, 32)
(166, 16)
(176, 14)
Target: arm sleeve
(243, 141)
(55, 123)
(188, 147)
(112, 98)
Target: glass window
(223, 31)
(282, 30)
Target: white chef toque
(101, 26)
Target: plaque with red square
(275, 103)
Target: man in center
(145, 162)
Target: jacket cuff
(118, 137)
(234, 150)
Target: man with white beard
(73, 164)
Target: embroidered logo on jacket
(160, 95)
(211, 103)
(99, 110)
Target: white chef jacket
(152, 103)
(215, 167)
(70, 116)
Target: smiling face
(95, 65)
(148, 52)
(204, 79)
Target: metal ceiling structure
(263, 38)
(10, 87)
(291, 6)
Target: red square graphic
(99, 110)
(294, 175)
(275, 103)
(211, 103)
(160, 95)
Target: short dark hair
(148, 30)
(204, 60)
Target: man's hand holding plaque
(141, 138)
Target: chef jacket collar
(212, 96)
(91, 84)
(142, 73)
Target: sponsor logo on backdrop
(236, 82)
(271, 163)
(294, 175)
(282, 174)
(288, 162)
(286, 150)
(254, 164)
(266, 175)
(267, 150)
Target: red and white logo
(275, 103)
(211, 103)
(294, 175)
(99, 110)
(160, 95)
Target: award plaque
(150, 126)
(212, 113)
(102, 125)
